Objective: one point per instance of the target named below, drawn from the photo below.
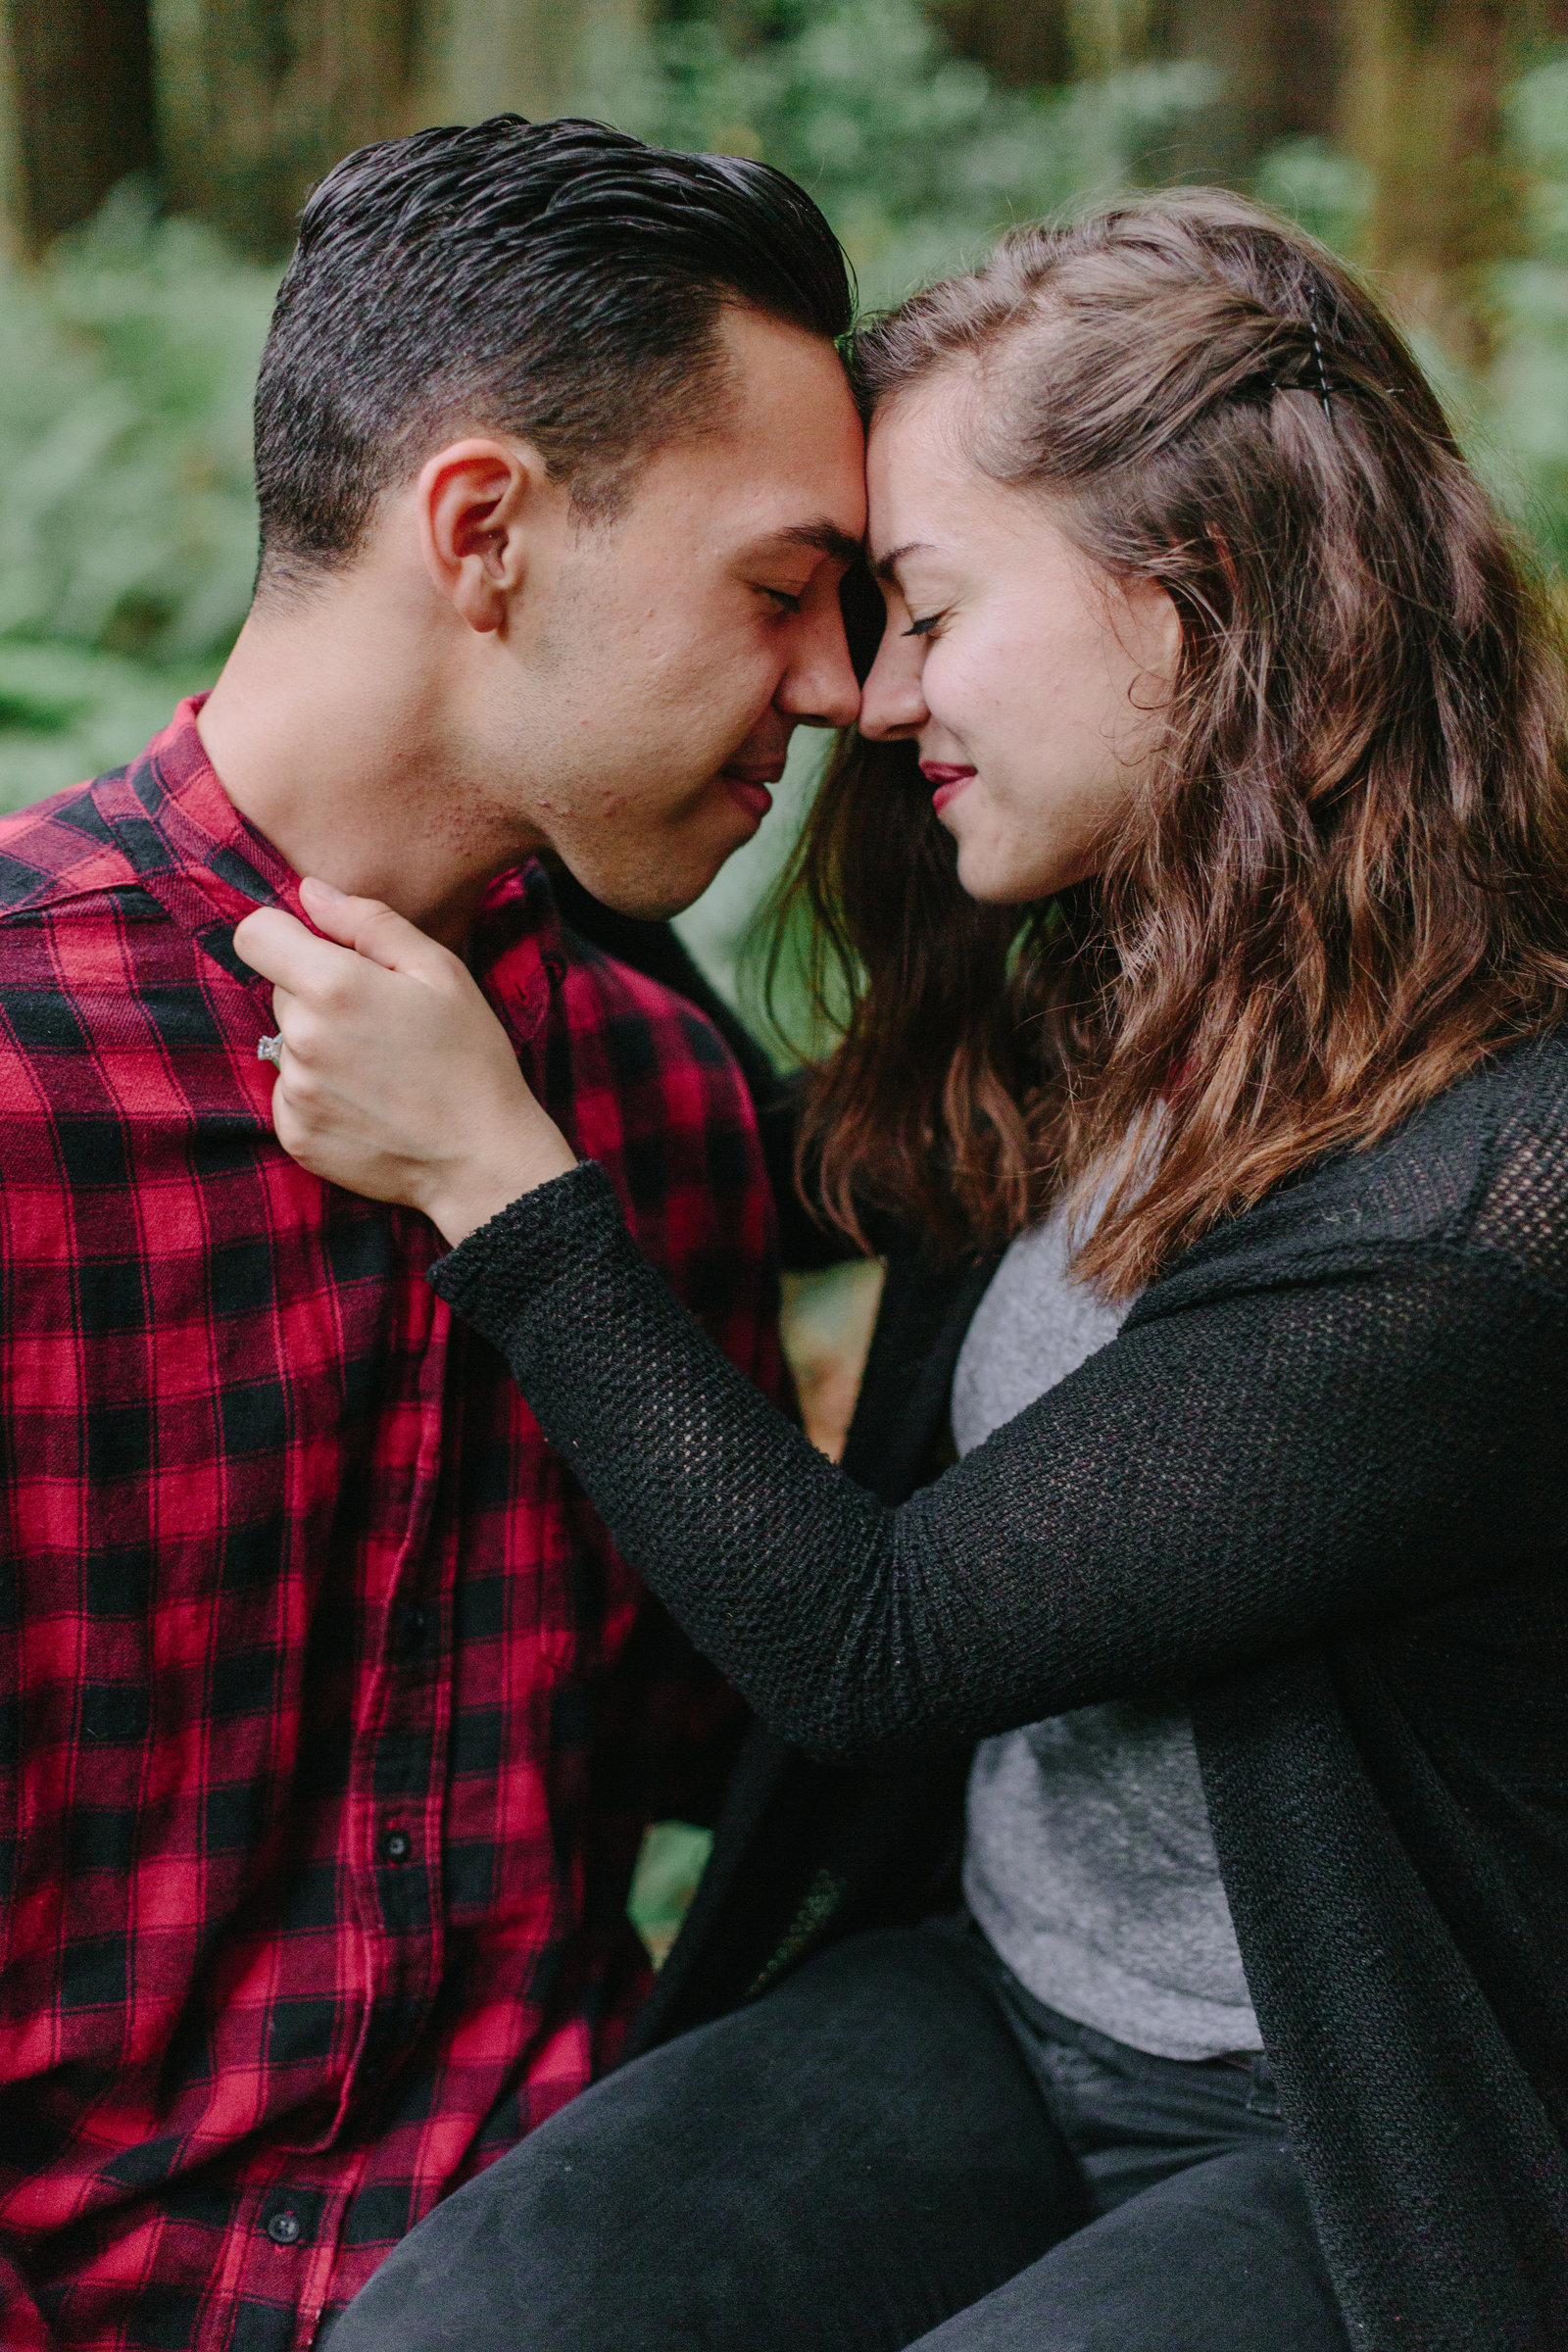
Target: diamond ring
(270, 1048)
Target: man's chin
(642, 897)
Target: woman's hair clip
(1322, 372)
(1323, 387)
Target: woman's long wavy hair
(1345, 877)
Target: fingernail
(311, 887)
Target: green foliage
(1526, 403)
(1329, 194)
(672, 1861)
(127, 533)
(916, 156)
(70, 711)
(129, 359)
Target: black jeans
(895, 2147)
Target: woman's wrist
(467, 1192)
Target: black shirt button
(397, 1845)
(285, 2229)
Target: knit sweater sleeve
(1266, 1461)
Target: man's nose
(820, 688)
(893, 701)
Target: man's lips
(947, 778)
(750, 786)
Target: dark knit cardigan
(1318, 1488)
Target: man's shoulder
(112, 1006)
(61, 851)
(79, 930)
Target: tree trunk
(1424, 112)
(1279, 64)
(1027, 47)
(260, 97)
(1104, 35)
(80, 109)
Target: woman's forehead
(926, 496)
(915, 465)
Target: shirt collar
(209, 867)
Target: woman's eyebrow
(886, 567)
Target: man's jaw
(655, 870)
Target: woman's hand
(395, 1078)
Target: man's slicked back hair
(557, 280)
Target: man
(333, 1722)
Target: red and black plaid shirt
(332, 1719)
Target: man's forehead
(782, 467)
(781, 510)
(785, 384)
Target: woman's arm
(1214, 1485)
(1218, 1483)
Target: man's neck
(324, 731)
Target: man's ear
(478, 501)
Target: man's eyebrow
(886, 567)
(824, 536)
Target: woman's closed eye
(923, 629)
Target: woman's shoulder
(1483, 1168)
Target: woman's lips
(947, 778)
(750, 787)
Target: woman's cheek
(973, 686)
(943, 682)
(997, 857)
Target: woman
(1237, 1021)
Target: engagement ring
(270, 1048)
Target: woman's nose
(893, 701)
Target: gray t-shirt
(1089, 1862)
